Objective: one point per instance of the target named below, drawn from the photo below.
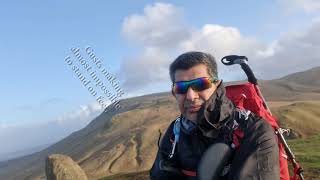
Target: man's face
(190, 102)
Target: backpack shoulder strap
(240, 117)
(176, 132)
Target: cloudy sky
(43, 98)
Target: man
(208, 117)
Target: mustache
(189, 104)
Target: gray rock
(62, 167)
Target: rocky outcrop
(62, 167)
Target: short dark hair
(189, 59)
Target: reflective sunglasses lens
(180, 87)
(201, 84)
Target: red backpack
(245, 96)
(248, 96)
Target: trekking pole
(297, 168)
(242, 61)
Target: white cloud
(159, 30)
(149, 67)
(81, 116)
(161, 25)
(316, 19)
(163, 34)
(308, 6)
(220, 41)
(293, 52)
(17, 137)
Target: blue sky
(37, 86)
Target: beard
(191, 109)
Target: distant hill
(299, 86)
(7, 156)
(115, 141)
(309, 78)
(125, 140)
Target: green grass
(307, 152)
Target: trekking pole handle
(242, 60)
(233, 59)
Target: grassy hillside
(114, 142)
(302, 117)
(307, 152)
(134, 135)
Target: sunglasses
(198, 85)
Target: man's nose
(191, 94)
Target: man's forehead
(191, 73)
